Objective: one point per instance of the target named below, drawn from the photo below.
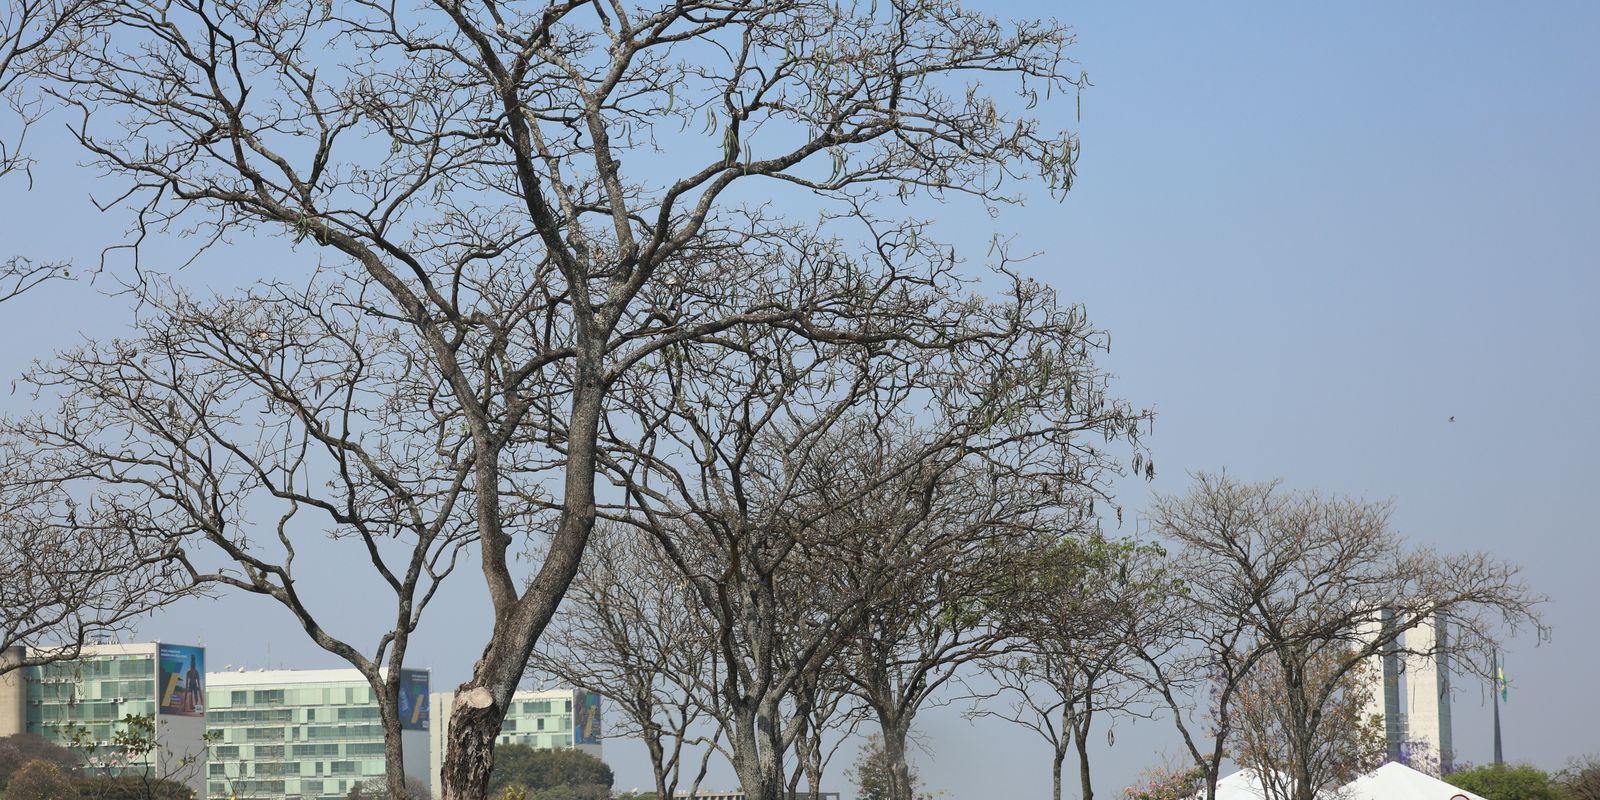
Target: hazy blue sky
(1316, 234)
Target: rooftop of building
(280, 677)
(533, 694)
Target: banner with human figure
(182, 676)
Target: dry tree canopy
(531, 215)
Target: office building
(546, 720)
(1428, 694)
(737, 794)
(307, 733)
(1411, 694)
(1384, 701)
(81, 703)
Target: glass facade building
(305, 733)
(546, 720)
(261, 734)
(82, 703)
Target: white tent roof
(1242, 785)
(1388, 782)
(1399, 782)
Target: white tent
(1399, 782)
(1388, 782)
(1242, 785)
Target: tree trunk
(1056, 760)
(658, 765)
(469, 746)
(813, 770)
(895, 732)
(394, 769)
(1081, 735)
(756, 758)
(482, 702)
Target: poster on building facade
(414, 699)
(586, 717)
(181, 674)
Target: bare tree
(1291, 584)
(514, 183)
(626, 633)
(782, 478)
(300, 406)
(29, 33)
(1347, 743)
(826, 715)
(1581, 777)
(1075, 611)
(940, 614)
(71, 571)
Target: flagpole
(1499, 756)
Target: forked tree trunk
(895, 732)
(482, 702)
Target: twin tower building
(1410, 692)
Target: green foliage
(19, 749)
(870, 773)
(572, 771)
(1507, 782)
(591, 791)
(40, 780)
(131, 787)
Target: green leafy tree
(540, 770)
(871, 772)
(590, 791)
(1508, 782)
(126, 767)
(20, 749)
(40, 780)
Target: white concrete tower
(1384, 674)
(1427, 680)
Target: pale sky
(1316, 233)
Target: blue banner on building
(586, 717)
(414, 699)
(182, 676)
